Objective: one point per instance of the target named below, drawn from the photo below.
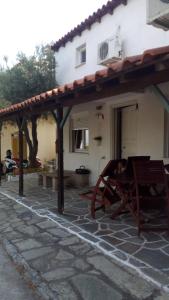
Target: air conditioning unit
(158, 13)
(110, 51)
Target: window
(79, 132)
(80, 140)
(81, 55)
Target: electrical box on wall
(158, 13)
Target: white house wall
(151, 127)
(98, 155)
(136, 35)
(150, 138)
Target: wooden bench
(71, 179)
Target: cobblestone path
(12, 286)
(61, 265)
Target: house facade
(134, 123)
(120, 126)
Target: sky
(27, 23)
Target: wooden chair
(130, 160)
(150, 192)
(103, 194)
(124, 186)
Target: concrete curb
(31, 276)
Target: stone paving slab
(12, 285)
(70, 268)
(115, 238)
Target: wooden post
(119, 132)
(60, 160)
(0, 151)
(21, 183)
(60, 120)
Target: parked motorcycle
(8, 165)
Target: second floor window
(81, 55)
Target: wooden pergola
(129, 75)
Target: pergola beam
(132, 81)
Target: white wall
(150, 132)
(98, 155)
(137, 36)
(150, 126)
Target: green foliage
(30, 76)
(4, 103)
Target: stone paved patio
(148, 255)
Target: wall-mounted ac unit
(158, 13)
(110, 51)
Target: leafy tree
(30, 76)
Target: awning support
(21, 179)
(65, 116)
(60, 120)
(60, 161)
(160, 95)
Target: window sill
(81, 152)
(80, 65)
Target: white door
(129, 132)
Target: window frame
(85, 148)
(79, 55)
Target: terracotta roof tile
(78, 83)
(87, 23)
(89, 79)
(113, 70)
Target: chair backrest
(149, 172)
(110, 168)
(129, 169)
